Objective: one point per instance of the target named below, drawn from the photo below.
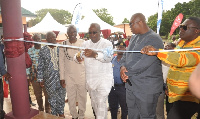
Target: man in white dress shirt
(99, 73)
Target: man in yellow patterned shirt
(182, 65)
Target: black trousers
(118, 96)
(182, 110)
(1, 94)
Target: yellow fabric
(182, 65)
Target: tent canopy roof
(91, 17)
(47, 24)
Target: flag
(160, 10)
(176, 23)
(77, 14)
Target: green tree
(125, 20)
(61, 16)
(152, 22)
(104, 15)
(187, 9)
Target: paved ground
(88, 113)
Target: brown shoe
(66, 101)
(76, 103)
(62, 115)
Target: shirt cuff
(3, 72)
(100, 55)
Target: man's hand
(62, 83)
(166, 92)
(79, 58)
(146, 49)
(90, 53)
(41, 84)
(7, 76)
(122, 73)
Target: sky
(118, 9)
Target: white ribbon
(107, 51)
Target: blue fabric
(118, 96)
(34, 55)
(2, 66)
(116, 71)
(46, 70)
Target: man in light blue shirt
(118, 92)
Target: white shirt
(98, 71)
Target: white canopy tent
(91, 17)
(47, 24)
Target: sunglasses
(94, 32)
(185, 27)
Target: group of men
(60, 70)
(144, 71)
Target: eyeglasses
(185, 27)
(94, 32)
(130, 24)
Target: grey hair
(70, 26)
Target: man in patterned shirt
(32, 71)
(185, 105)
(48, 75)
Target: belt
(119, 84)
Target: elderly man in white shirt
(99, 73)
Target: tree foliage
(187, 9)
(104, 15)
(125, 20)
(61, 16)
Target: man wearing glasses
(185, 105)
(99, 72)
(143, 71)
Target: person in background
(7, 77)
(182, 64)
(28, 62)
(118, 92)
(48, 75)
(74, 75)
(98, 67)
(142, 72)
(127, 41)
(32, 71)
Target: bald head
(94, 32)
(138, 17)
(51, 37)
(96, 25)
(138, 24)
(36, 37)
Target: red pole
(14, 51)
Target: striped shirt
(182, 65)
